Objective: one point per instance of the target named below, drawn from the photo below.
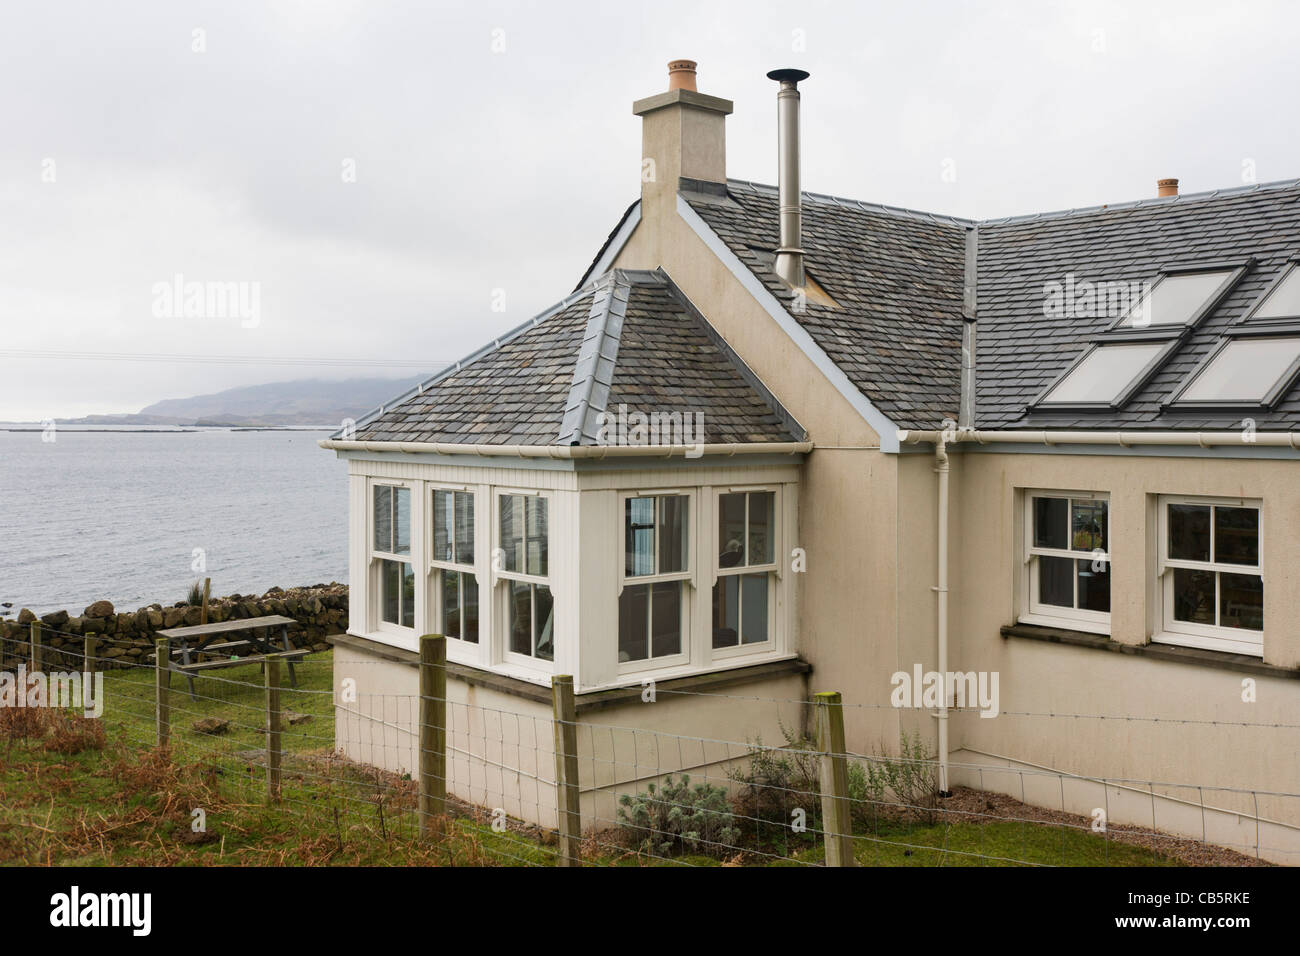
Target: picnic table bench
(204, 639)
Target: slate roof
(899, 274)
(1020, 351)
(627, 338)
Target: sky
(380, 187)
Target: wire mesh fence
(246, 769)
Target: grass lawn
(123, 803)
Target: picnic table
(206, 639)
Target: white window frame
(687, 577)
(437, 568)
(772, 569)
(1187, 633)
(501, 592)
(375, 556)
(1032, 611)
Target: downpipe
(941, 468)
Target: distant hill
(301, 402)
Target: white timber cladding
(585, 563)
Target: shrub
(780, 780)
(195, 597)
(71, 733)
(677, 817)
(911, 778)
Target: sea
(136, 515)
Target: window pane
(1106, 372)
(1236, 535)
(753, 608)
(1284, 301)
(1056, 581)
(1175, 299)
(520, 598)
(1241, 601)
(383, 518)
(731, 530)
(1051, 527)
(544, 621)
(1189, 533)
(402, 520)
(408, 593)
(1193, 596)
(633, 620)
(450, 603)
(1094, 586)
(639, 536)
(537, 536)
(390, 590)
(1088, 525)
(760, 527)
(443, 532)
(673, 534)
(464, 527)
(469, 597)
(726, 612)
(1246, 370)
(512, 532)
(666, 618)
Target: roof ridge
(593, 373)
(827, 199)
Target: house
(778, 442)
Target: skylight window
(1283, 300)
(1105, 374)
(1245, 371)
(1177, 299)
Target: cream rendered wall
(1041, 678)
(847, 626)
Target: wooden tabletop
(241, 624)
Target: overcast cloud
(478, 169)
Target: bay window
(656, 566)
(743, 593)
(391, 555)
(524, 568)
(452, 563)
(1211, 580)
(1067, 560)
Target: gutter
(1123, 438)
(570, 452)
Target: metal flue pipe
(789, 255)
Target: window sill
(1222, 660)
(589, 701)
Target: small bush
(780, 780)
(911, 778)
(195, 597)
(23, 723)
(677, 817)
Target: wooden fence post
(433, 732)
(207, 587)
(38, 652)
(837, 825)
(565, 716)
(162, 677)
(89, 665)
(272, 671)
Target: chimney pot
(1166, 187)
(681, 75)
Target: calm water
(117, 515)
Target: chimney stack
(1166, 187)
(789, 254)
(683, 136)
